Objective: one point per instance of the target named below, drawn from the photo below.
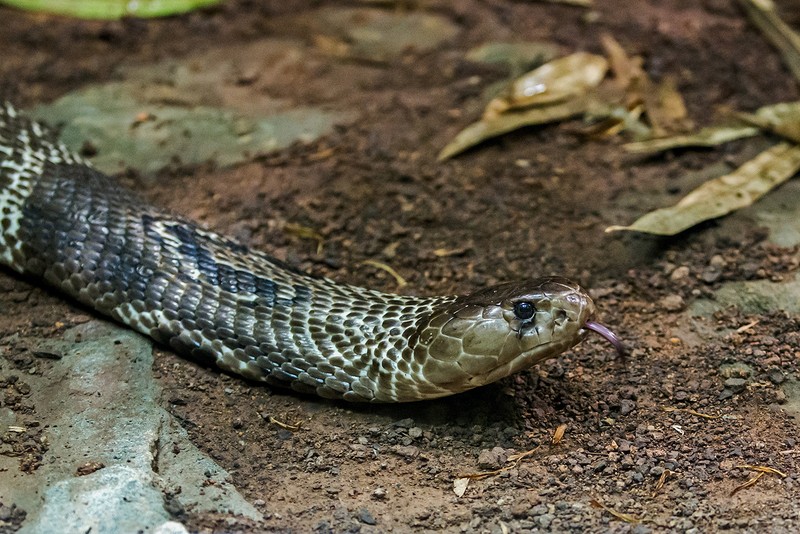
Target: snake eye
(524, 310)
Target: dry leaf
(287, 426)
(559, 434)
(690, 412)
(555, 81)
(763, 469)
(380, 265)
(482, 130)
(625, 68)
(782, 119)
(460, 486)
(750, 482)
(712, 136)
(628, 518)
(667, 112)
(722, 195)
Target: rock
(736, 385)
(776, 376)
(672, 303)
(366, 517)
(492, 459)
(105, 408)
(626, 406)
(711, 274)
(538, 510)
(544, 520)
(679, 273)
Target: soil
(534, 202)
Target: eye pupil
(523, 310)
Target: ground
(534, 202)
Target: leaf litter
(575, 85)
(754, 178)
(722, 195)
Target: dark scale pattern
(213, 299)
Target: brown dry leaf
(667, 112)
(460, 486)
(517, 458)
(286, 426)
(662, 480)
(559, 434)
(482, 130)
(751, 482)
(628, 518)
(762, 13)
(763, 469)
(556, 81)
(625, 68)
(448, 252)
(513, 461)
(722, 195)
(690, 412)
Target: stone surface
(104, 410)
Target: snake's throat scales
(211, 298)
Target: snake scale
(215, 300)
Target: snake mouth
(609, 336)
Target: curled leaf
(555, 81)
(722, 195)
(460, 486)
(558, 434)
(782, 119)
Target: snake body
(213, 299)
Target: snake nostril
(560, 317)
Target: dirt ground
(534, 202)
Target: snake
(215, 300)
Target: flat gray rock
(100, 408)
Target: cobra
(213, 299)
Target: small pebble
(736, 385)
(492, 459)
(366, 517)
(672, 303)
(679, 273)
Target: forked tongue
(610, 336)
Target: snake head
(492, 333)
